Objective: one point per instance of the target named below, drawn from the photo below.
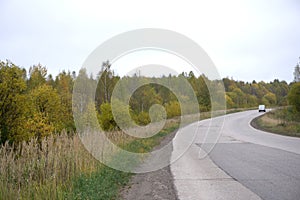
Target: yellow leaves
(229, 102)
(47, 106)
(270, 98)
(173, 109)
(12, 87)
(39, 126)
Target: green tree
(120, 118)
(143, 98)
(37, 76)
(251, 100)
(106, 117)
(122, 113)
(229, 84)
(238, 97)
(202, 93)
(165, 93)
(271, 98)
(294, 96)
(64, 86)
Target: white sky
(247, 40)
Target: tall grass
(60, 167)
(34, 170)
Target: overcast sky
(246, 40)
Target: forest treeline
(33, 103)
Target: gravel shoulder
(157, 185)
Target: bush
(143, 118)
(173, 109)
(120, 118)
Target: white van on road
(261, 108)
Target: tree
(229, 102)
(13, 106)
(106, 117)
(83, 91)
(37, 75)
(122, 114)
(106, 83)
(47, 109)
(251, 100)
(143, 98)
(294, 96)
(120, 118)
(238, 97)
(229, 84)
(201, 91)
(50, 80)
(64, 86)
(271, 98)
(165, 93)
(39, 126)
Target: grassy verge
(105, 183)
(283, 121)
(101, 184)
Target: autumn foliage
(34, 104)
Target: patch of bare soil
(157, 185)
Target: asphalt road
(245, 163)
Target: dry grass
(32, 170)
(266, 119)
(279, 121)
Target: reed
(35, 169)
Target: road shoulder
(157, 185)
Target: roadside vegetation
(41, 155)
(61, 168)
(285, 120)
(282, 121)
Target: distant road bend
(245, 163)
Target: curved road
(245, 163)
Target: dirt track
(155, 185)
